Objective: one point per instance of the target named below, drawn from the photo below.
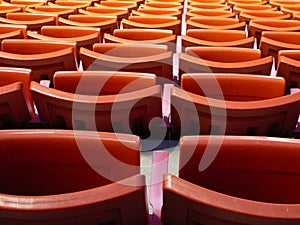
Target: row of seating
(85, 177)
(97, 16)
(44, 58)
(125, 102)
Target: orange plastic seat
(204, 22)
(82, 36)
(44, 58)
(192, 114)
(241, 7)
(208, 6)
(9, 31)
(129, 5)
(207, 1)
(233, 87)
(171, 1)
(224, 60)
(291, 9)
(121, 113)
(271, 42)
(209, 13)
(106, 23)
(9, 75)
(288, 68)
(163, 5)
(138, 2)
(144, 36)
(232, 3)
(131, 58)
(61, 11)
(243, 181)
(280, 3)
(296, 16)
(4, 9)
(15, 107)
(214, 38)
(102, 82)
(28, 3)
(153, 22)
(33, 21)
(81, 177)
(256, 27)
(257, 15)
(74, 4)
(157, 12)
(120, 13)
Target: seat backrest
(224, 54)
(87, 158)
(255, 168)
(102, 82)
(194, 114)
(42, 57)
(234, 87)
(71, 177)
(153, 22)
(129, 50)
(217, 37)
(15, 107)
(12, 31)
(10, 75)
(121, 113)
(288, 68)
(133, 57)
(150, 36)
(252, 180)
(33, 21)
(82, 36)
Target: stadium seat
(72, 4)
(256, 27)
(271, 42)
(121, 113)
(224, 60)
(129, 5)
(100, 10)
(4, 9)
(192, 114)
(9, 75)
(106, 23)
(146, 36)
(102, 82)
(162, 5)
(61, 11)
(33, 21)
(232, 3)
(204, 22)
(235, 180)
(238, 8)
(156, 12)
(80, 178)
(154, 59)
(9, 31)
(16, 109)
(209, 13)
(153, 22)
(289, 68)
(83, 36)
(265, 14)
(215, 38)
(44, 58)
(233, 87)
(209, 6)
